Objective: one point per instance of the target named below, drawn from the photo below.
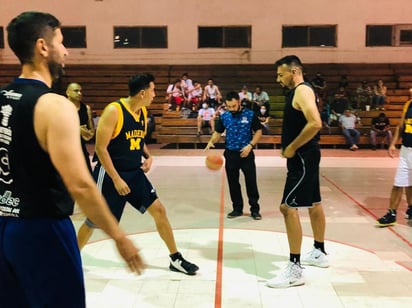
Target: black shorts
(302, 188)
(142, 193)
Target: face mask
(204, 106)
(262, 111)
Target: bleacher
(105, 83)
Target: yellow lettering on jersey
(408, 128)
(134, 134)
(134, 144)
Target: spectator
(175, 95)
(348, 123)
(319, 84)
(264, 118)
(211, 94)
(343, 82)
(185, 82)
(259, 99)
(380, 128)
(87, 127)
(245, 97)
(363, 95)
(205, 118)
(339, 104)
(379, 95)
(194, 95)
(151, 127)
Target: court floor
(370, 266)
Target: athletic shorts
(142, 194)
(40, 264)
(302, 188)
(403, 177)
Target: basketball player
(120, 173)
(300, 146)
(42, 167)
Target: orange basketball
(214, 162)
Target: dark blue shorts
(40, 264)
(142, 194)
(302, 187)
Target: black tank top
(407, 126)
(84, 120)
(29, 184)
(294, 121)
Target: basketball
(214, 162)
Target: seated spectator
(380, 128)
(194, 95)
(245, 97)
(363, 96)
(339, 104)
(175, 96)
(264, 118)
(211, 94)
(151, 127)
(186, 82)
(379, 95)
(343, 82)
(260, 98)
(205, 118)
(348, 122)
(319, 85)
(325, 116)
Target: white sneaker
(291, 276)
(315, 257)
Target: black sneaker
(234, 214)
(388, 220)
(408, 213)
(256, 215)
(179, 264)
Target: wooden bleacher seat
(105, 83)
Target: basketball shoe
(291, 276)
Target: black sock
(174, 256)
(295, 258)
(320, 246)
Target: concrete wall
(182, 17)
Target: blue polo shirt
(239, 127)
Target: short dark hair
(290, 60)
(232, 95)
(140, 82)
(25, 29)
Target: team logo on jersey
(10, 94)
(244, 120)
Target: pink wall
(183, 18)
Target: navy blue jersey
(239, 127)
(294, 121)
(407, 125)
(126, 146)
(30, 186)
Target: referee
(243, 131)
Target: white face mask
(204, 106)
(262, 111)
